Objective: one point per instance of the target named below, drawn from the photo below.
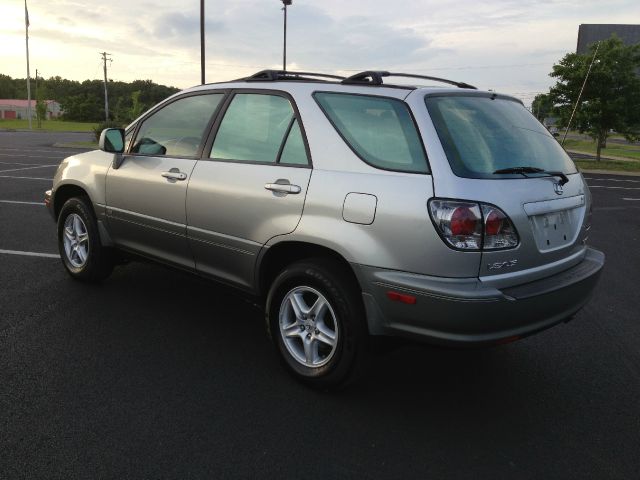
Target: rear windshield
(380, 130)
(481, 135)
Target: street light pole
(26, 26)
(284, 49)
(202, 42)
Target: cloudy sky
(505, 45)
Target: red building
(12, 109)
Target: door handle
(174, 174)
(283, 188)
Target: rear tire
(316, 319)
(81, 250)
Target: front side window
(259, 128)
(380, 130)
(482, 135)
(178, 129)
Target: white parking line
(30, 254)
(611, 180)
(41, 150)
(28, 178)
(632, 199)
(21, 203)
(32, 156)
(18, 163)
(614, 188)
(26, 168)
(614, 209)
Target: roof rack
(273, 75)
(369, 77)
(372, 77)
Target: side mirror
(112, 140)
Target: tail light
(472, 226)
(459, 223)
(499, 232)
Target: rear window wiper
(524, 170)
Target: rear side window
(483, 134)
(293, 151)
(260, 128)
(178, 128)
(379, 130)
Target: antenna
(580, 94)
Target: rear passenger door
(251, 187)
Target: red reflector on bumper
(507, 340)
(401, 297)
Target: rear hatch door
(470, 136)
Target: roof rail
(372, 77)
(273, 75)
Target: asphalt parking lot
(158, 374)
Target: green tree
(84, 101)
(8, 87)
(611, 97)
(41, 105)
(41, 111)
(85, 107)
(137, 106)
(542, 106)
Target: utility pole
(105, 56)
(36, 84)
(202, 42)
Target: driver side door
(146, 195)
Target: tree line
(610, 100)
(84, 101)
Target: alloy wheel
(308, 327)
(76, 240)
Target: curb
(77, 147)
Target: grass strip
(612, 165)
(48, 126)
(630, 151)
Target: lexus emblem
(557, 187)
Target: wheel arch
(64, 193)
(277, 257)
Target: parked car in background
(350, 207)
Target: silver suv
(352, 208)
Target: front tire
(81, 250)
(316, 319)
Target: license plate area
(554, 230)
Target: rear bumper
(466, 311)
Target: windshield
(483, 134)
